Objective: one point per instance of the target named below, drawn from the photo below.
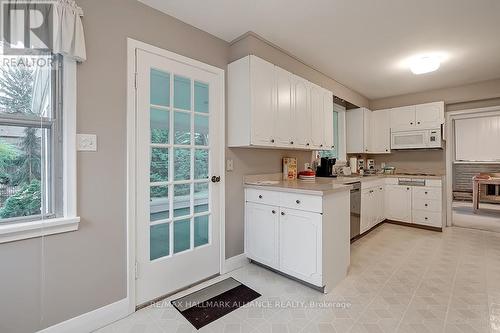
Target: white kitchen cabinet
(261, 230)
(302, 110)
(422, 205)
(271, 107)
(302, 235)
(380, 204)
(372, 205)
(358, 122)
(328, 126)
(415, 117)
(381, 132)
(285, 115)
(318, 117)
(403, 118)
(429, 115)
(300, 245)
(398, 201)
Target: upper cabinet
(359, 128)
(271, 107)
(422, 116)
(381, 132)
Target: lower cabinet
(304, 236)
(398, 203)
(300, 244)
(372, 207)
(422, 205)
(261, 233)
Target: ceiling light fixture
(425, 64)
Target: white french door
(178, 164)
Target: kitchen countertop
(321, 186)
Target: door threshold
(163, 297)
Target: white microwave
(417, 139)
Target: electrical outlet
(86, 142)
(230, 165)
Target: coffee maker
(325, 169)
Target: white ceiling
(363, 43)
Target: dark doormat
(213, 302)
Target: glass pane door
(180, 212)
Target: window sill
(26, 230)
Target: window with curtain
(30, 138)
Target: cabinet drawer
(304, 202)
(432, 219)
(263, 196)
(427, 205)
(427, 193)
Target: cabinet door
(398, 203)
(302, 110)
(366, 210)
(403, 118)
(380, 207)
(300, 245)
(354, 132)
(284, 109)
(381, 132)
(263, 95)
(261, 233)
(328, 126)
(317, 116)
(430, 115)
(367, 131)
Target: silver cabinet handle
(274, 212)
(282, 213)
(298, 202)
(260, 196)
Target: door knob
(216, 179)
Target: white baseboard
(234, 263)
(92, 320)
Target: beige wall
(43, 282)
(471, 92)
(251, 43)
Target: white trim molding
(93, 320)
(70, 221)
(450, 149)
(132, 46)
(235, 263)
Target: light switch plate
(86, 142)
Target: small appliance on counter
(325, 169)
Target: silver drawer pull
(274, 212)
(260, 196)
(282, 213)
(298, 202)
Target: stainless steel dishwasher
(355, 209)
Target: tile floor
(400, 280)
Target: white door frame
(450, 149)
(132, 45)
